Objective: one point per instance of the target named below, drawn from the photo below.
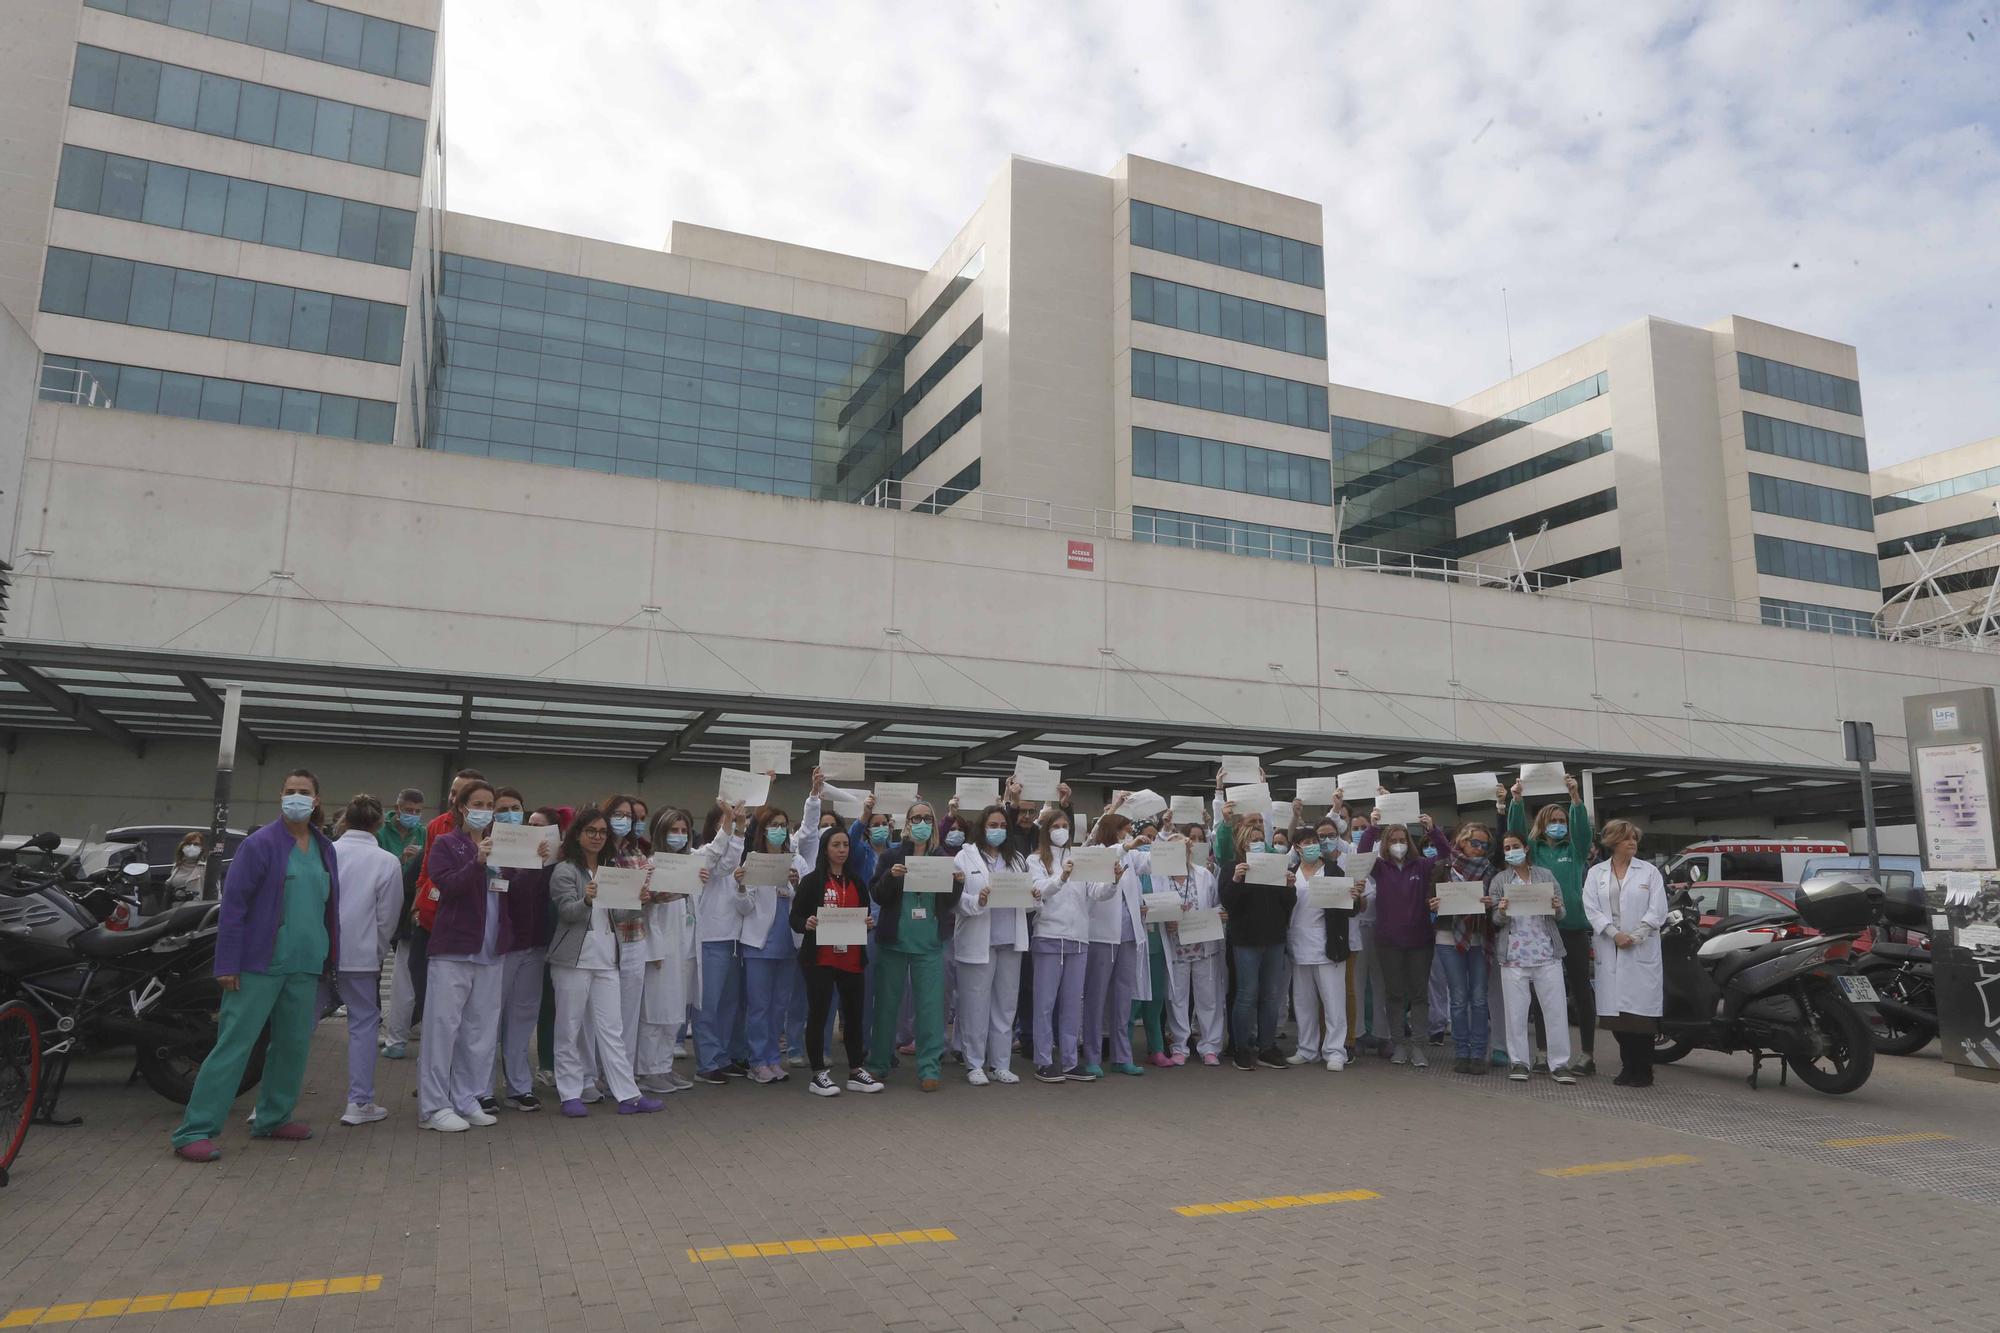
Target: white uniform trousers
(1198, 984)
(1319, 999)
(988, 994)
(461, 1031)
(590, 1007)
(1546, 982)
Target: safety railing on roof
(72, 384)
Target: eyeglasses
(593, 832)
(1478, 844)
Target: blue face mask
(297, 807)
(677, 842)
(1558, 831)
(879, 835)
(620, 825)
(1256, 846)
(955, 838)
(1310, 851)
(996, 837)
(408, 820)
(921, 830)
(1328, 846)
(478, 819)
(509, 816)
(775, 836)
(1516, 855)
(1431, 853)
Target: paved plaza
(1376, 1198)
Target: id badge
(920, 913)
(839, 948)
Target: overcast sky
(1830, 166)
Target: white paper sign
(1043, 786)
(1957, 808)
(1027, 764)
(1460, 897)
(518, 846)
(740, 788)
(1360, 784)
(1143, 804)
(1162, 908)
(676, 874)
(1318, 791)
(1526, 899)
(771, 757)
(1399, 807)
(1358, 864)
(1200, 926)
(767, 870)
(1198, 854)
(1169, 859)
(1543, 780)
(976, 794)
(1094, 864)
(618, 887)
(895, 798)
(843, 802)
(1188, 810)
(1961, 887)
(1242, 768)
(928, 874)
(843, 765)
(841, 926)
(1325, 891)
(1251, 798)
(1277, 819)
(1267, 868)
(1474, 788)
(1011, 888)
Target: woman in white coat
(673, 964)
(988, 944)
(1117, 974)
(1195, 981)
(1626, 901)
(1061, 952)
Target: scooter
(1746, 986)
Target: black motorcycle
(1903, 978)
(91, 988)
(1750, 984)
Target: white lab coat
(672, 940)
(1629, 981)
(371, 898)
(973, 931)
(720, 908)
(765, 902)
(1104, 927)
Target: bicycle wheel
(20, 1079)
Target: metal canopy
(132, 696)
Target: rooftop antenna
(1507, 316)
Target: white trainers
(861, 1080)
(1335, 1063)
(359, 1114)
(1417, 1057)
(823, 1085)
(976, 1077)
(1005, 1076)
(446, 1121)
(478, 1117)
(1300, 1058)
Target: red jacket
(427, 891)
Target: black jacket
(806, 902)
(887, 891)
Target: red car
(1721, 898)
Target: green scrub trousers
(924, 969)
(1154, 1010)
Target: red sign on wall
(1082, 555)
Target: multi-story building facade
(1938, 522)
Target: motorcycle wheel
(170, 1067)
(1667, 1049)
(1848, 1057)
(1894, 1038)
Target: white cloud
(1831, 167)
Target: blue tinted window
(1814, 504)
(65, 282)
(1226, 244)
(1800, 385)
(1809, 444)
(1814, 563)
(1225, 389)
(1223, 465)
(214, 398)
(1220, 315)
(303, 28)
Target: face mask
(297, 808)
(677, 842)
(1431, 853)
(620, 826)
(1310, 852)
(1399, 849)
(190, 853)
(1280, 847)
(408, 820)
(1516, 855)
(510, 816)
(921, 830)
(775, 836)
(879, 835)
(1558, 831)
(478, 818)
(954, 839)
(996, 837)
(1328, 846)
(1058, 837)
(1256, 846)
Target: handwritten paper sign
(1251, 797)
(1543, 780)
(1143, 804)
(1094, 864)
(1267, 868)
(518, 846)
(1474, 788)
(843, 765)
(1317, 791)
(1188, 810)
(844, 802)
(895, 797)
(928, 874)
(1361, 783)
(738, 787)
(1162, 908)
(676, 874)
(1460, 897)
(1399, 807)
(767, 870)
(1170, 859)
(1011, 888)
(1330, 891)
(841, 927)
(977, 793)
(1200, 926)
(618, 887)
(1526, 898)
(1045, 785)
(1358, 864)
(1242, 768)
(770, 756)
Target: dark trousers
(1406, 975)
(821, 983)
(1635, 1052)
(1263, 979)
(1581, 994)
(420, 969)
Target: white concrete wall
(20, 367)
(37, 49)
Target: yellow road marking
(1629, 1164)
(41, 1316)
(773, 1249)
(1878, 1140)
(1275, 1201)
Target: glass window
(65, 282)
(166, 195)
(406, 145)
(343, 38)
(109, 296)
(207, 201)
(234, 299)
(414, 52)
(384, 340)
(394, 237)
(215, 113)
(194, 302)
(221, 400)
(180, 395)
(284, 217)
(244, 218)
(124, 188)
(320, 233)
(357, 231)
(333, 130)
(296, 116)
(261, 405)
(152, 295)
(80, 182)
(369, 144)
(271, 315)
(137, 92)
(306, 34)
(311, 313)
(378, 46)
(94, 81)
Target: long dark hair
(1010, 852)
(823, 866)
(572, 843)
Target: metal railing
(1300, 547)
(72, 384)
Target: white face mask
(1058, 837)
(191, 852)
(1399, 849)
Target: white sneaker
(1336, 1063)
(363, 1114)
(823, 1085)
(860, 1080)
(795, 1061)
(976, 1077)
(446, 1121)
(478, 1117)
(1300, 1058)
(1417, 1057)
(1005, 1076)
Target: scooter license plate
(1858, 990)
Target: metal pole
(225, 771)
(1868, 822)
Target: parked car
(1898, 871)
(90, 857)
(1726, 898)
(1777, 860)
